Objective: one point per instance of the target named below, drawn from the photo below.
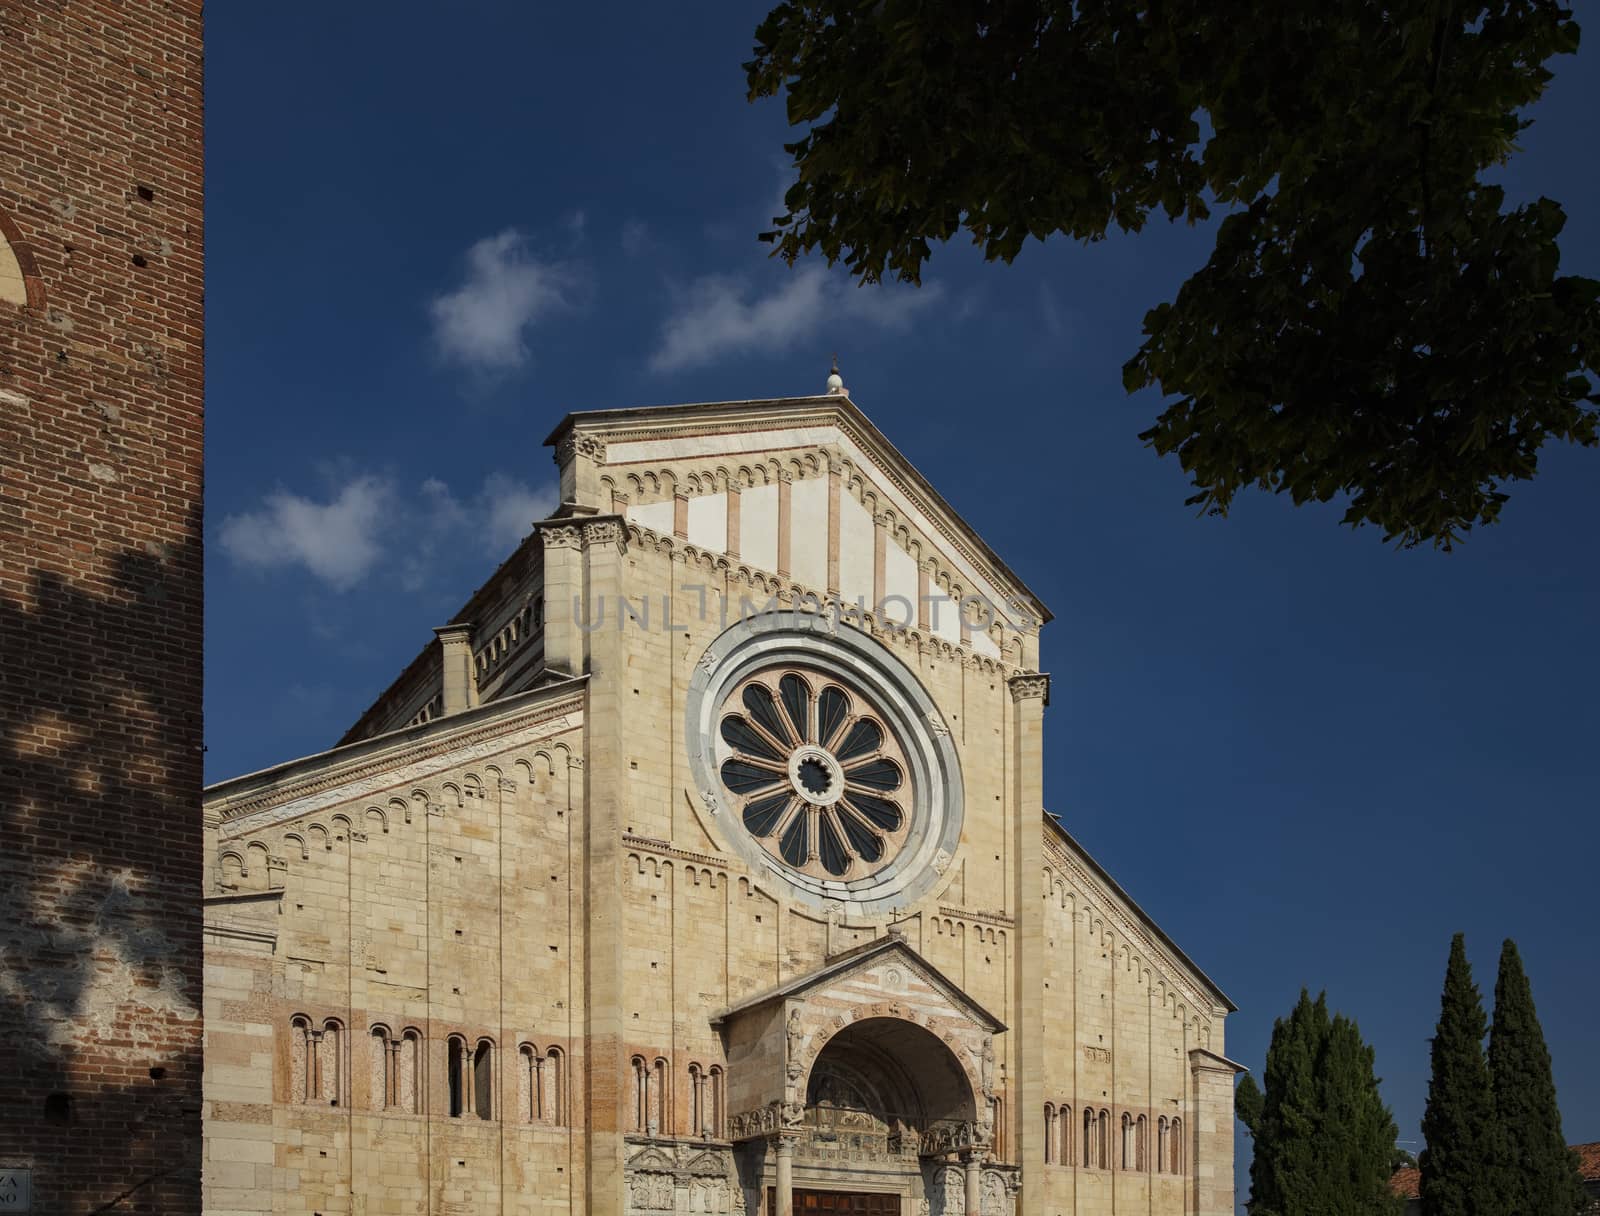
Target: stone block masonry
(101, 384)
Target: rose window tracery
(819, 778)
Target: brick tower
(101, 380)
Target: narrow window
(380, 1069)
(697, 1114)
(330, 1062)
(718, 1097)
(551, 1089)
(483, 1079)
(1161, 1145)
(1177, 1146)
(658, 1098)
(407, 1085)
(1088, 1138)
(641, 1093)
(456, 1067)
(529, 1065)
(1139, 1158)
(1103, 1140)
(302, 1060)
(1064, 1118)
(1049, 1133)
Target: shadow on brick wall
(100, 915)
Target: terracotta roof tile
(1407, 1183)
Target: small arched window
(641, 1092)
(1128, 1152)
(1049, 1133)
(20, 283)
(302, 1060)
(1177, 1146)
(1064, 1119)
(1140, 1129)
(1088, 1138)
(408, 1084)
(697, 1098)
(382, 1059)
(658, 1097)
(552, 1093)
(456, 1067)
(330, 1062)
(717, 1099)
(529, 1065)
(1102, 1146)
(483, 1079)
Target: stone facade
(700, 865)
(101, 384)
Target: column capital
(1030, 685)
(575, 444)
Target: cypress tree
(1459, 1164)
(1358, 1131)
(1538, 1173)
(1321, 1133)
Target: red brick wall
(101, 379)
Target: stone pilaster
(1210, 1146)
(606, 801)
(1029, 694)
(579, 458)
(563, 597)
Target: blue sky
(1310, 757)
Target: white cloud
(483, 323)
(718, 315)
(369, 525)
(509, 508)
(338, 541)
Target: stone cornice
(1130, 922)
(239, 803)
(838, 412)
(998, 919)
(662, 848)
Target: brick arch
(13, 247)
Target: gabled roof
(1114, 889)
(319, 778)
(849, 960)
(779, 419)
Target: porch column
(972, 1169)
(785, 1187)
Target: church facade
(700, 864)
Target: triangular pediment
(866, 520)
(652, 1161)
(881, 975)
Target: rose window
(820, 780)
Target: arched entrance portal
(886, 1105)
(887, 1078)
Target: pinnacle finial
(835, 381)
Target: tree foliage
(1323, 1138)
(1459, 1166)
(1374, 322)
(1538, 1173)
